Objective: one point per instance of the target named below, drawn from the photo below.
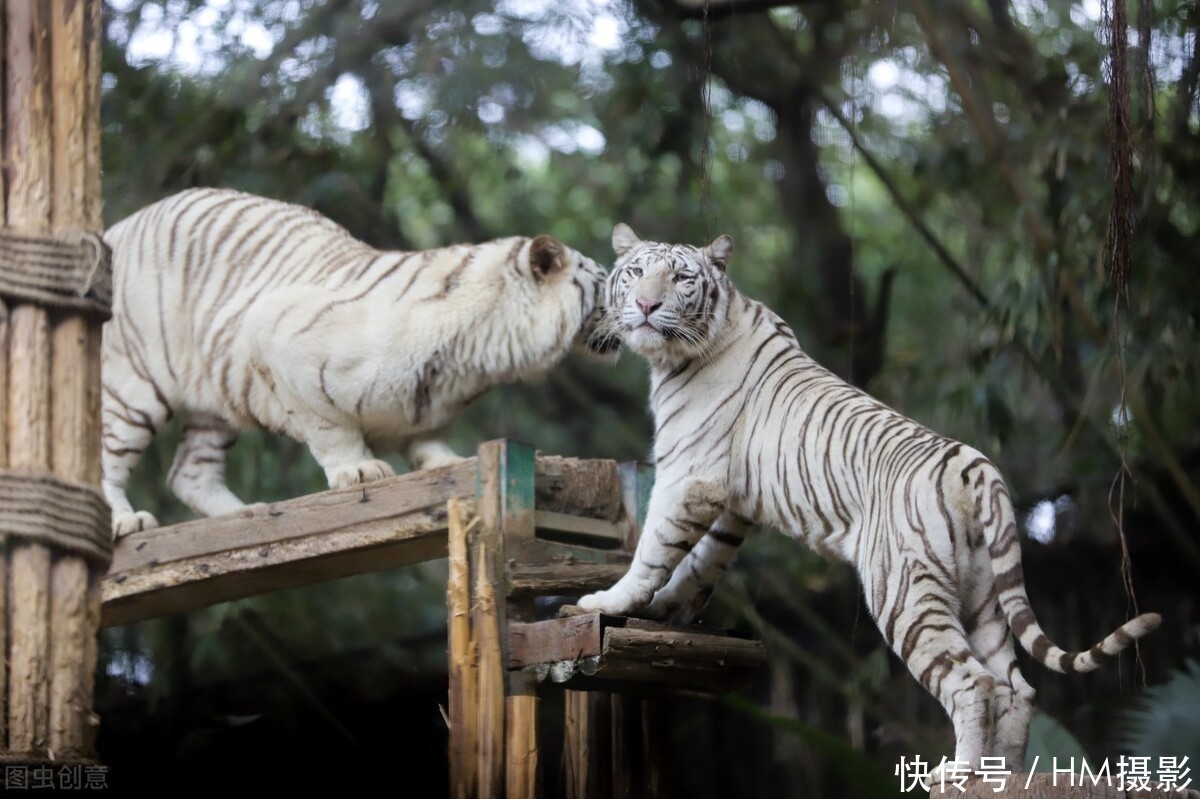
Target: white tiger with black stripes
(242, 312)
(749, 429)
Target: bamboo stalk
(464, 679)
(486, 633)
(29, 564)
(75, 383)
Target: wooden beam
(306, 540)
(569, 578)
(325, 536)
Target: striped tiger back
(238, 312)
(749, 429)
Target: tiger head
(665, 301)
(567, 283)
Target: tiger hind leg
(1013, 708)
(197, 475)
(928, 635)
(430, 452)
(694, 579)
(130, 418)
(988, 634)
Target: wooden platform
(601, 652)
(333, 534)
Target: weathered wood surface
(50, 372)
(318, 537)
(578, 487)
(521, 743)
(567, 578)
(463, 672)
(74, 370)
(1051, 786)
(28, 164)
(617, 653)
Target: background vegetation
(922, 189)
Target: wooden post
(493, 725)
(51, 374)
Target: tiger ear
(719, 251)
(546, 256)
(624, 239)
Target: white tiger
(241, 312)
(749, 429)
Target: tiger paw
(430, 454)
(132, 522)
(610, 601)
(365, 472)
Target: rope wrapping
(71, 271)
(60, 513)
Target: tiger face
(666, 300)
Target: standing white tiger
(244, 312)
(749, 429)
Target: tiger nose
(648, 306)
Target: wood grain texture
(521, 742)
(306, 540)
(563, 579)
(485, 626)
(29, 564)
(579, 487)
(27, 115)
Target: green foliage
(1051, 746)
(1165, 719)
(841, 143)
(855, 768)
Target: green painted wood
(637, 481)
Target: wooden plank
(586, 745)
(521, 743)
(605, 531)
(300, 541)
(464, 679)
(306, 540)
(562, 579)
(673, 649)
(579, 487)
(531, 643)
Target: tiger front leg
(679, 515)
(693, 581)
(339, 447)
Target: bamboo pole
(29, 564)
(464, 678)
(485, 624)
(27, 208)
(50, 417)
(75, 591)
